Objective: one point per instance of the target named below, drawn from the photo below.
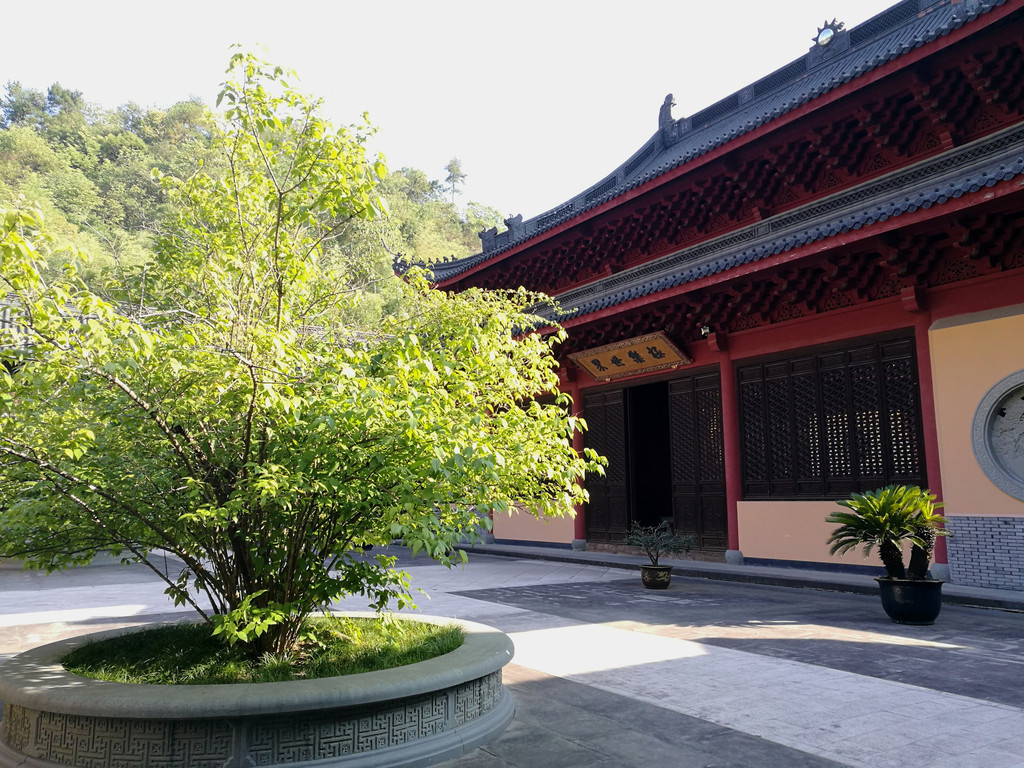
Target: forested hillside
(91, 170)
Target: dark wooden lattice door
(607, 512)
(698, 460)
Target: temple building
(813, 287)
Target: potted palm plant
(655, 541)
(888, 518)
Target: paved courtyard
(707, 673)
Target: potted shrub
(888, 518)
(655, 541)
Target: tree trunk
(892, 559)
(918, 567)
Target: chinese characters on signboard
(653, 352)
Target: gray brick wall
(986, 551)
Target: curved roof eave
(981, 164)
(887, 36)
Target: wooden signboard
(643, 354)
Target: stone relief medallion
(998, 434)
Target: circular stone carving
(418, 714)
(998, 434)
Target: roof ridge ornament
(828, 31)
(665, 113)
(666, 124)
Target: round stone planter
(415, 715)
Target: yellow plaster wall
(522, 526)
(970, 354)
(791, 530)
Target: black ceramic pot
(910, 601)
(656, 576)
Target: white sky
(538, 99)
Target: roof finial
(827, 31)
(665, 114)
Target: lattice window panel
(867, 415)
(828, 423)
(836, 414)
(683, 435)
(807, 433)
(615, 450)
(755, 443)
(698, 460)
(709, 431)
(780, 429)
(903, 419)
(605, 512)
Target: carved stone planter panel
(414, 715)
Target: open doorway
(649, 428)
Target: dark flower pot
(910, 601)
(656, 576)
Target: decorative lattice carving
(901, 389)
(755, 444)
(954, 269)
(867, 417)
(606, 510)
(838, 300)
(477, 697)
(323, 737)
(837, 423)
(615, 448)
(683, 433)
(98, 742)
(85, 741)
(698, 459)
(709, 431)
(806, 427)
(841, 420)
(780, 429)
(17, 726)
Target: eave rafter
(967, 246)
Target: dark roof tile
(871, 213)
(890, 34)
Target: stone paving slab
(770, 575)
(705, 674)
(562, 723)
(969, 651)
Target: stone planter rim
(36, 680)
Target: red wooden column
(718, 342)
(915, 301)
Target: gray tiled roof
(967, 169)
(854, 52)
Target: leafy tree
(480, 217)
(455, 178)
(22, 106)
(236, 417)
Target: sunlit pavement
(706, 673)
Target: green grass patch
(188, 654)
